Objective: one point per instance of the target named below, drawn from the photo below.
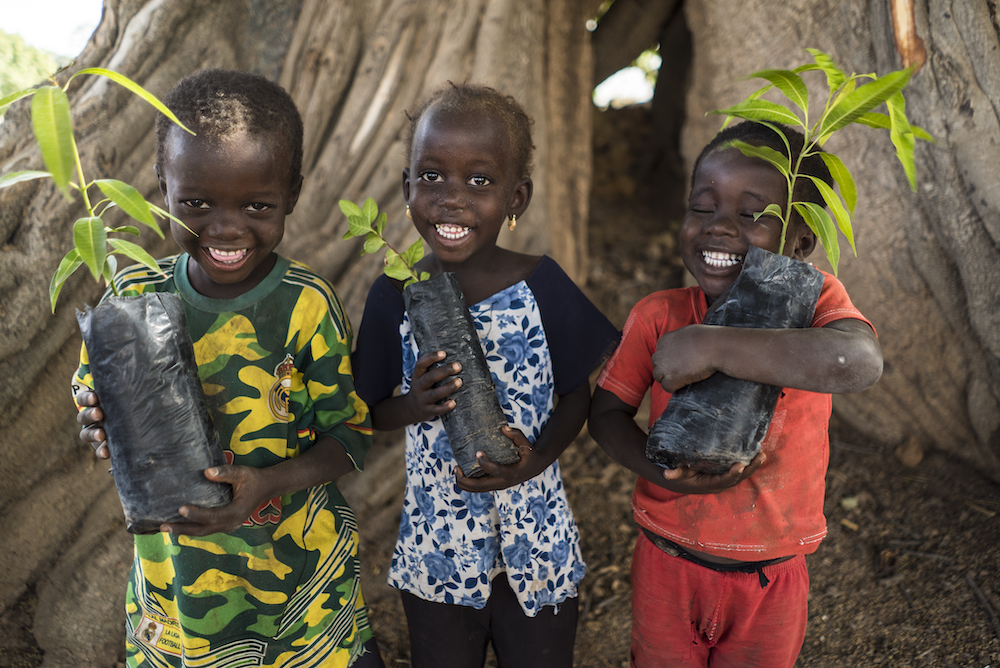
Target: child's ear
(293, 197)
(521, 197)
(406, 184)
(163, 185)
(805, 242)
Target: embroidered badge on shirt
(278, 395)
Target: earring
(408, 214)
(512, 223)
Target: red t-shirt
(777, 511)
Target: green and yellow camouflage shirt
(284, 589)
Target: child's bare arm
(326, 460)
(424, 401)
(563, 426)
(613, 426)
(844, 356)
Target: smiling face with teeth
(234, 194)
(462, 185)
(719, 227)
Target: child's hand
(425, 400)
(92, 418)
(682, 357)
(248, 494)
(499, 476)
(686, 480)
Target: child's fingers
(90, 416)
(86, 398)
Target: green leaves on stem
(365, 221)
(851, 99)
(52, 125)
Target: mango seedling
(851, 98)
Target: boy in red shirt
(719, 575)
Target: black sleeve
(580, 337)
(378, 357)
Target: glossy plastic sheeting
(440, 320)
(712, 424)
(160, 434)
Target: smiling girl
(494, 559)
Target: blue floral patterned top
(452, 543)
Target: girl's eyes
(437, 177)
(259, 207)
(195, 203)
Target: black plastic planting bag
(440, 320)
(160, 434)
(712, 424)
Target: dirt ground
(909, 574)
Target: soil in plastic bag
(712, 424)
(160, 433)
(440, 320)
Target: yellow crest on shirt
(277, 396)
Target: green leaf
(162, 213)
(409, 282)
(17, 177)
(843, 178)
(789, 83)
(874, 119)
(761, 110)
(129, 200)
(110, 267)
(91, 242)
(126, 229)
(771, 210)
(53, 127)
(373, 243)
(863, 100)
(135, 252)
(8, 100)
(836, 207)
(380, 224)
(819, 221)
(414, 253)
(358, 226)
(767, 153)
(902, 137)
(834, 75)
(370, 210)
(132, 86)
(349, 208)
(424, 275)
(69, 264)
(395, 267)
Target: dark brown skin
(843, 356)
(462, 180)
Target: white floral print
(452, 543)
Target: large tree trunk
(353, 67)
(926, 272)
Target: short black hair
(466, 97)
(758, 134)
(215, 103)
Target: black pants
(455, 636)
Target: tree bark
(926, 267)
(353, 67)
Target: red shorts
(684, 614)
